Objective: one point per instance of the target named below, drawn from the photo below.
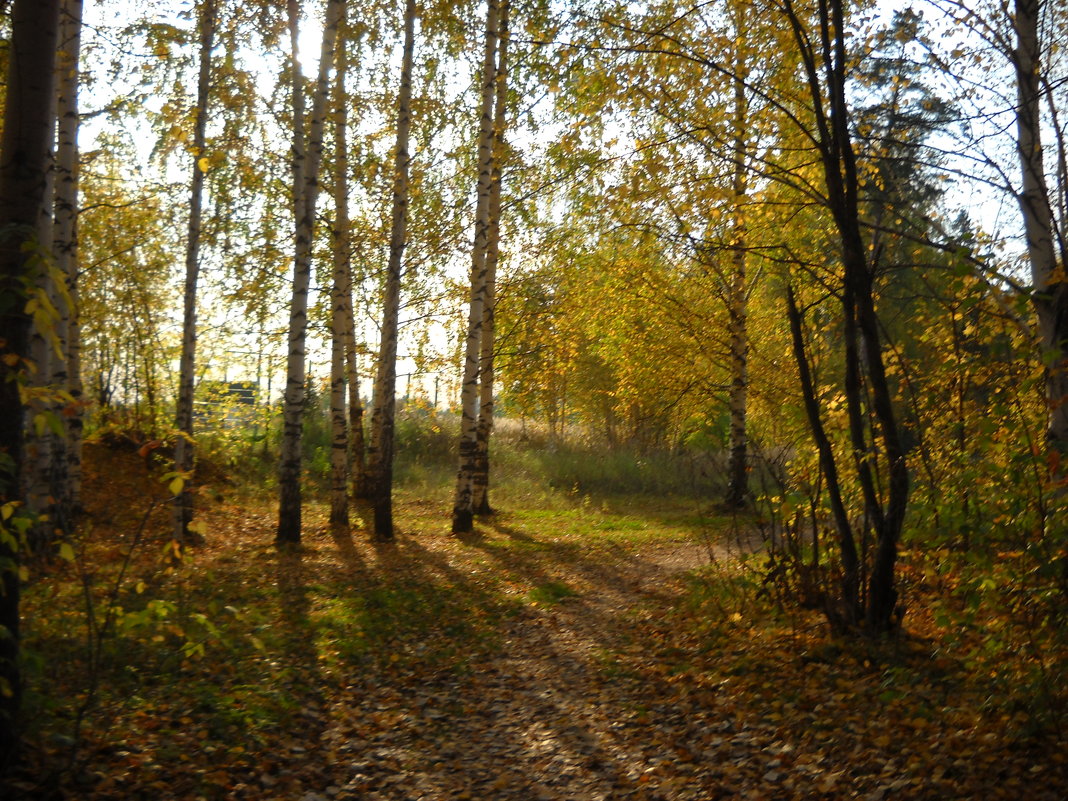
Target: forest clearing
(572, 647)
(587, 399)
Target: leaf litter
(534, 660)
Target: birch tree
(480, 501)
(1047, 238)
(738, 291)
(41, 442)
(25, 159)
(1008, 76)
(67, 372)
(380, 450)
(49, 440)
(307, 156)
(183, 423)
(463, 504)
(341, 321)
(356, 441)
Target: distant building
(225, 404)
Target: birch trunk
(40, 438)
(25, 157)
(182, 513)
(1050, 296)
(738, 298)
(357, 444)
(463, 508)
(307, 156)
(339, 446)
(480, 483)
(380, 452)
(46, 343)
(67, 372)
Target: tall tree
(307, 157)
(357, 441)
(738, 290)
(340, 293)
(380, 450)
(480, 500)
(183, 422)
(67, 372)
(1047, 242)
(25, 160)
(824, 59)
(463, 508)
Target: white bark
(307, 156)
(463, 509)
(738, 294)
(480, 482)
(67, 372)
(1050, 285)
(339, 455)
(357, 462)
(25, 157)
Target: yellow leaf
(203, 164)
(66, 552)
(176, 485)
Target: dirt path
(564, 711)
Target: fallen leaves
(528, 663)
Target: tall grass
(527, 459)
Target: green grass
(550, 593)
(406, 623)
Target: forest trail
(566, 652)
(564, 709)
(598, 680)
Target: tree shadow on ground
(523, 713)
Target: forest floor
(587, 649)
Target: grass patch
(409, 624)
(550, 593)
(619, 524)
